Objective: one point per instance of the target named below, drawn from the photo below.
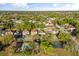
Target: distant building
(33, 32)
(40, 32)
(26, 32)
(18, 21)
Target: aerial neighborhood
(39, 33)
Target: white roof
(19, 21)
(42, 33)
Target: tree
(77, 33)
(77, 25)
(27, 25)
(8, 39)
(65, 37)
(10, 24)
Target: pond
(57, 44)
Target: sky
(39, 6)
(39, 1)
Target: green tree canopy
(65, 37)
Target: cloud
(2, 3)
(65, 7)
(57, 7)
(73, 6)
(55, 4)
(43, 7)
(20, 5)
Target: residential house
(33, 32)
(8, 32)
(18, 21)
(40, 32)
